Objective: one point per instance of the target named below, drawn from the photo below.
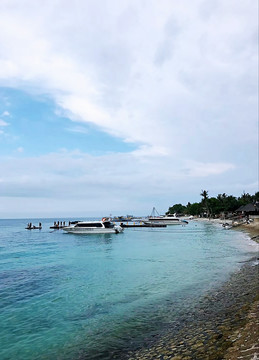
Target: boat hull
(81, 231)
(166, 222)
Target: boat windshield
(108, 224)
(87, 225)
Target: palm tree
(204, 194)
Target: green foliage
(205, 202)
(223, 203)
(215, 206)
(245, 198)
(194, 209)
(177, 208)
(204, 194)
(232, 203)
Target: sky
(113, 107)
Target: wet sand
(225, 325)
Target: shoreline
(225, 325)
(251, 229)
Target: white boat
(104, 226)
(169, 219)
(227, 226)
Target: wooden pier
(57, 227)
(61, 224)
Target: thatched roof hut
(249, 209)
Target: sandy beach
(224, 326)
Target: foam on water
(69, 296)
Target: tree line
(211, 206)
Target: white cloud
(143, 73)
(179, 79)
(145, 150)
(110, 183)
(81, 174)
(5, 113)
(207, 169)
(78, 129)
(3, 123)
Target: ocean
(67, 296)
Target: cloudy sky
(119, 106)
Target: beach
(224, 326)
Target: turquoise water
(66, 296)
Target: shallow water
(66, 296)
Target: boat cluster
(109, 225)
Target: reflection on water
(82, 239)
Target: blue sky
(125, 106)
(35, 127)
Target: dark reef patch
(207, 332)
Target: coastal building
(249, 209)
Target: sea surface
(67, 296)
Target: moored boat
(122, 218)
(227, 226)
(166, 219)
(104, 226)
(169, 219)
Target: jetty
(61, 224)
(30, 226)
(58, 225)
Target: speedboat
(104, 226)
(169, 219)
(227, 226)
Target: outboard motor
(118, 229)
